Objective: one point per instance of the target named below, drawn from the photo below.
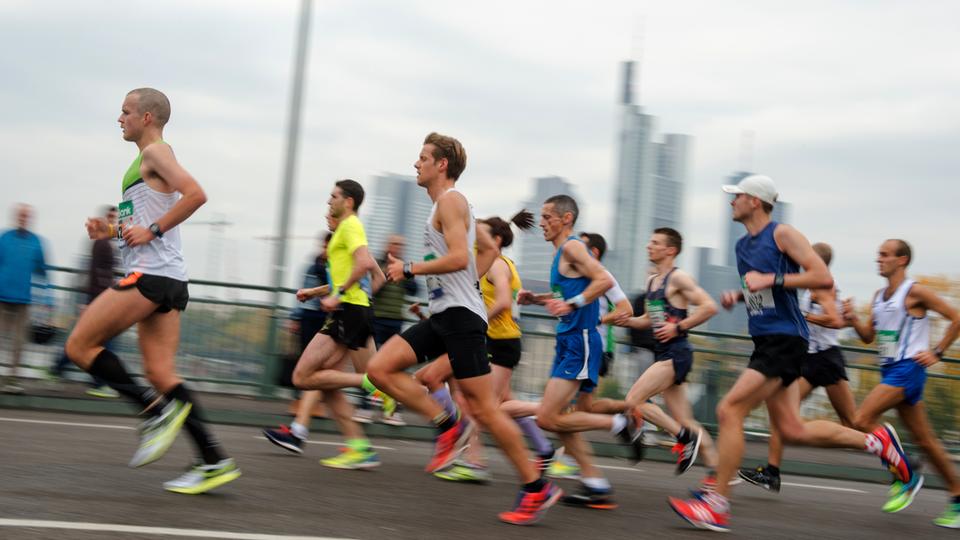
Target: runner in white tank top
(899, 321)
(457, 326)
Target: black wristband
(408, 270)
(939, 353)
(778, 280)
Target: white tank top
(456, 289)
(821, 337)
(143, 206)
(900, 336)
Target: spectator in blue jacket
(21, 256)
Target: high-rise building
(536, 254)
(649, 190)
(397, 206)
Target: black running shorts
(779, 356)
(350, 325)
(167, 293)
(504, 352)
(458, 332)
(680, 353)
(824, 368)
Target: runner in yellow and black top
(348, 326)
(158, 195)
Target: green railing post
(268, 381)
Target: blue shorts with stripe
(579, 355)
(906, 374)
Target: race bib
(557, 292)
(757, 302)
(125, 213)
(656, 309)
(515, 308)
(888, 343)
(434, 283)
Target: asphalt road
(65, 476)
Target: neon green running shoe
(895, 488)
(158, 433)
(900, 500)
(202, 478)
(562, 469)
(464, 472)
(950, 518)
(352, 459)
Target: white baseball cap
(755, 185)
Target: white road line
(330, 443)
(616, 468)
(50, 422)
(828, 488)
(162, 531)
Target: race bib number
(888, 343)
(434, 283)
(656, 309)
(757, 302)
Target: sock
(541, 444)
(444, 421)
(206, 444)
(597, 484)
(535, 486)
(873, 445)
(368, 386)
(107, 367)
(683, 436)
(773, 470)
(442, 396)
(358, 445)
(619, 422)
(300, 431)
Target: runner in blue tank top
(769, 258)
(898, 321)
(577, 281)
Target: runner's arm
(159, 158)
(486, 249)
(695, 295)
(932, 301)
(797, 247)
(830, 318)
(579, 258)
(452, 211)
(499, 276)
(377, 277)
(363, 263)
(864, 329)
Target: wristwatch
(154, 229)
(408, 270)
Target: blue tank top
(773, 311)
(661, 311)
(563, 287)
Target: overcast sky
(853, 106)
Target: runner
(669, 294)
(347, 328)
(898, 321)
(577, 281)
(769, 258)
(158, 195)
(823, 366)
(457, 326)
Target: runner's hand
(729, 299)
(304, 294)
(330, 303)
(558, 307)
(849, 311)
(926, 358)
(666, 331)
(98, 228)
(525, 297)
(755, 281)
(137, 236)
(394, 268)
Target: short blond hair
(450, 149)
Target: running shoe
(531, 507)
(393, 419)
(462, 471)
(560, 468)
(103, 392)
(950, 518)
(598, 499)
(545, 462)
(353, 459)
(892, 454)
(387, 403)
(903, 497)
(362, 416)
(687, 452)
(701, 514)
(159, 432)
(633, 436)
(709, 482)
(761, 476)
(449, 444)
(284, 438)
(202, 477)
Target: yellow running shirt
(346, 239)
(504, 325)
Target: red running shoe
(700, 514)
(892, 453)
(449, 444)
(531, 507)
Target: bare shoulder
(682, 280)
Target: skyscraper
(397, 206)
(649, 189)
(535, 256)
